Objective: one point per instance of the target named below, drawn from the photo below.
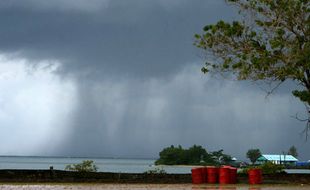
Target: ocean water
(104, 164)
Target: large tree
(253, 155)
(271, 43)
(293, 151)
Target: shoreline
(60, 176)
(181, 166)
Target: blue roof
(276, 157)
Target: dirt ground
(147, 187)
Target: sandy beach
(147, 187)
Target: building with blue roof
(277, 159)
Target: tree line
(195, 155)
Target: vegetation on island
(85, 166)
(195, 155)
(269, 43)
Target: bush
(156, 171)
(267, 168)
(85, 166)
(271, 168)
(244, 171)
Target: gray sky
(122, 79)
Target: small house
(277, 159)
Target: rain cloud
(122, 79)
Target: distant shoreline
(80, 157)
(185, 166)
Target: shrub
(271, 168)
(244, 171)
(156, 171)
(85, 166)
(267, 168)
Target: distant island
(195, 155)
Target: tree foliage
(85, 166)
(219, 157)
(271, 43)
(195, 155)
(253, 155)
(293, 151)
(271, 168)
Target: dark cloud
(130, 118)
(143, 38)
(137, 84)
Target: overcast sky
(117, 78)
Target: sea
(118, 165)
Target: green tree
(271, 43)
(253, 155)
(171, 156)
(196, 154)
(293, 151)
(85, 166)
(220, 158)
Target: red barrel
(255, 176)
(224, 175)
(205, 174)
(213, 173)
(197, 176)
(233, 175)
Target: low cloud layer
(134, 118)
(122, 79)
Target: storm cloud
(122, 79)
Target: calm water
(104, 164)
